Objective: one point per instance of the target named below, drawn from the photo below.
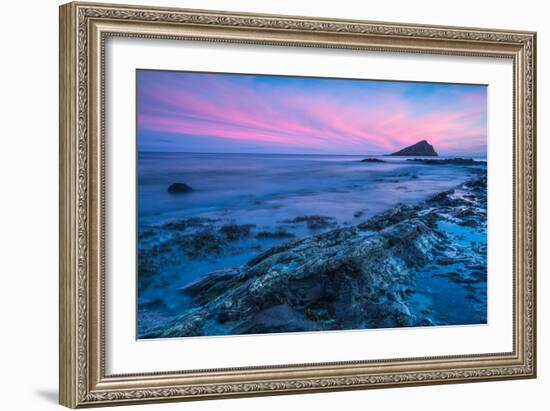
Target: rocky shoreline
(354, 277)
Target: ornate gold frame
(83, 30)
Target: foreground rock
(422, 148)
(348, 278)
(179, 188)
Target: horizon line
(305, 154)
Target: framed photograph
(258, 204)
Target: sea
(268, 193)
(264, 188)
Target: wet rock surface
(372, 275)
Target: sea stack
(422, 148)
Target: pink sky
(183, 111)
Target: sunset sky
(231, 113)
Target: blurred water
(260, 188)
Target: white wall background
(29, 187)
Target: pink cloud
(308, 119)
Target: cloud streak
(305, 115)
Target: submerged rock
(422, 148)
(179, 188)
(280, 233)
(201, 244)
(209, 241)
(234, 232)
(192, 222)
(372, 160)
(313, 222)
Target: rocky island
(422, 148)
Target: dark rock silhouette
(179, 188)
(422, 148)
(455, 161)
(372, 160)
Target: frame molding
(84, 27)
